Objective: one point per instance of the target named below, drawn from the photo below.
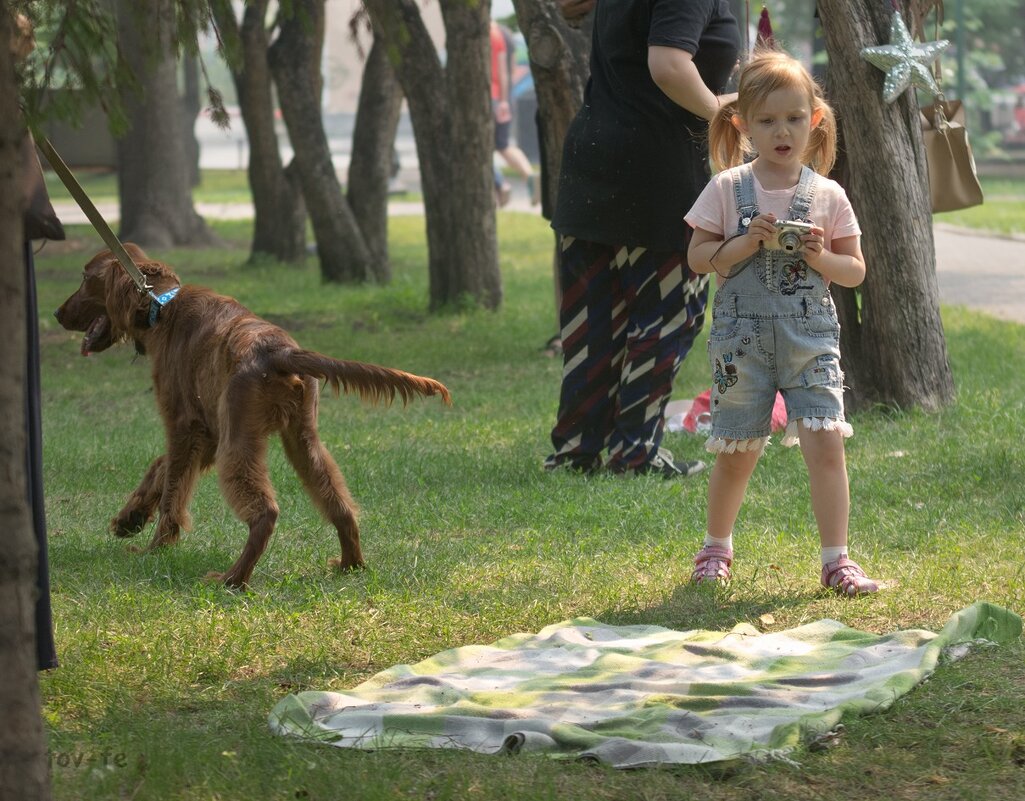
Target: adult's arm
(674, 72)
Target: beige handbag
(953, 183)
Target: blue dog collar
(159, 301)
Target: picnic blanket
(637, 695)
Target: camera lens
(790, 241)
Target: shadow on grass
(711, 607)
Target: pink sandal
(712, 564)
(847, 578)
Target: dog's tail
(371, 382)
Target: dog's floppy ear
(136, 252)
(127, 307)
(123, 299)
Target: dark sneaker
(553, 347)
(662, 464)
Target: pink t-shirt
(715, 210)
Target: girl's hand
(761, 229)
(814, 245)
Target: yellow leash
(100, 224)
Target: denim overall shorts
(774, 327)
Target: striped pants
(628, 317)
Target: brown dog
(224, 381)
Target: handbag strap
(939, 101)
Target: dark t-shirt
(634, 161)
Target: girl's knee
(737, 462)
(824, 450)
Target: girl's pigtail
(821, 151)
(725, 143)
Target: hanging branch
(918, 11)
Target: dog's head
(108, 306)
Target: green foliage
(994, 32)
(469, 540)
(79, 61)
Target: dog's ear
(123, 299)
(136, 252)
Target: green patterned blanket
(632, 696)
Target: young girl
(774, 326)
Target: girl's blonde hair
(764, 73)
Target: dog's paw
(232, 583)
(128, 524)
(343, 565)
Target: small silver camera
(788, 236)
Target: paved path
(982, 272)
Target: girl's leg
(726, 488)
(823, 453)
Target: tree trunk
(23, 771)
(373, 138)
(295, 63)
(559, 62)
(893, 346)
(279, 224)
(450, 110)
(153, 172)
(191, 107)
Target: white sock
(726, 543)
(832, 553)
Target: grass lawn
(166, 682)
(1003, 211)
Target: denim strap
(744, 194)
(801, 204)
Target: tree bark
(559, 62)
(153, 172)
(279, 224)
(191, 107)
(450, 110)
(295, 63)
(23, 770)
(893, 344)
(373, 138)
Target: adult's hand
(574, 11)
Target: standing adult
(634, 161)
(503, 58)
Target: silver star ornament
(904, 62)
